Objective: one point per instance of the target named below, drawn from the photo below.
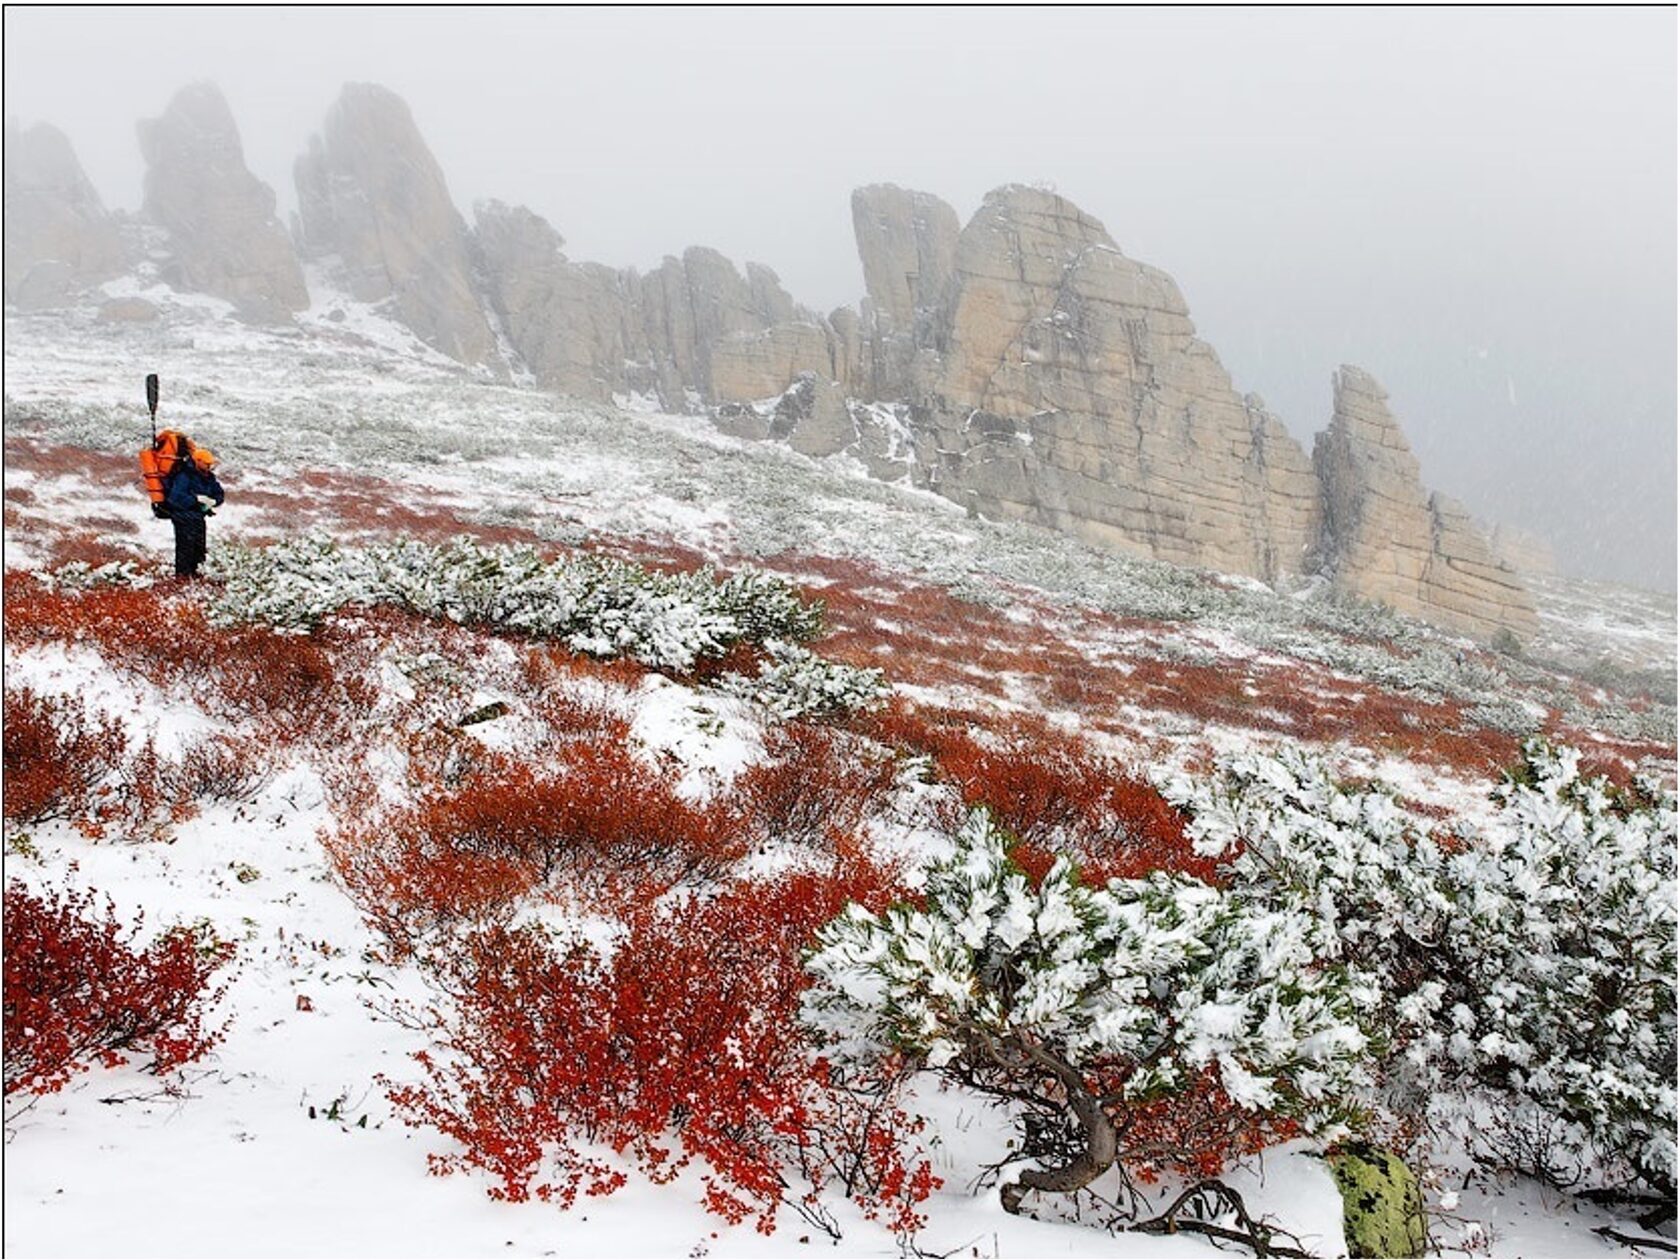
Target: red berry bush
(57, 756)
(79, 991)
(679, 1045)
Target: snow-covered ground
(282, 1142)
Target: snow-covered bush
(796, 683)
(1508, 716)
(79, 575)
(1084, 1004)
(594, 604)
(1534, 957)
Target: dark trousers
(189, 543)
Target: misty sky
(1476, 206)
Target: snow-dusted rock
(224, 238)
(371, 193)
(1073, 392)
(59, 239)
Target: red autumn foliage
(814, 783)
(78, 990)
(493, 829)
(85, 548)
(408, 886)
(683, 1045)
(57, 756)
(545, 666)
(1049, 790)
(54, 459)
(242, 671)
(1196, 1133)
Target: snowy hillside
(400, 774)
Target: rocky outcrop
(1525, 552)
(748, 340)
(372, 198)
(59, 239)
(907, 243)
(567, 320)
(760, 364)
(1073, 392)
(1385, 539)
(128, 310)
(695, 326)
(815, 418)
(224, 238)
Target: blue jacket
(184, 487)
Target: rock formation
(1385, 540)
(1049, 378)
(58, 237)
(1073, 392)
(750, 365)
(696, 324)
(568, 321)
(1523, 551)
(1021, 365)
(907, 242)
(224, 238)
(371, 196)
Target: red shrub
(567, 714)
(814, 783)
(30, 454)
(152, 788)
(245, 671)
(500, 828)
(221, 769)
(76, 990)
(89, 549)
(1051, 792)
(683, 1044)
(408, 886)
(1196, 1133)
(608, 802)
(56, 756)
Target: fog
(1476, 206)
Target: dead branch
(1207, 1197)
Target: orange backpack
(168, 451)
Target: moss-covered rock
(1382, 1206)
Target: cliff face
(372, 197)
(59, 239)
(224, 238)
(1073, 391)
(1522, 551)
(907, 243)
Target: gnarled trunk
(1102, 1142)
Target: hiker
(191, 494)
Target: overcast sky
(1477, 206)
